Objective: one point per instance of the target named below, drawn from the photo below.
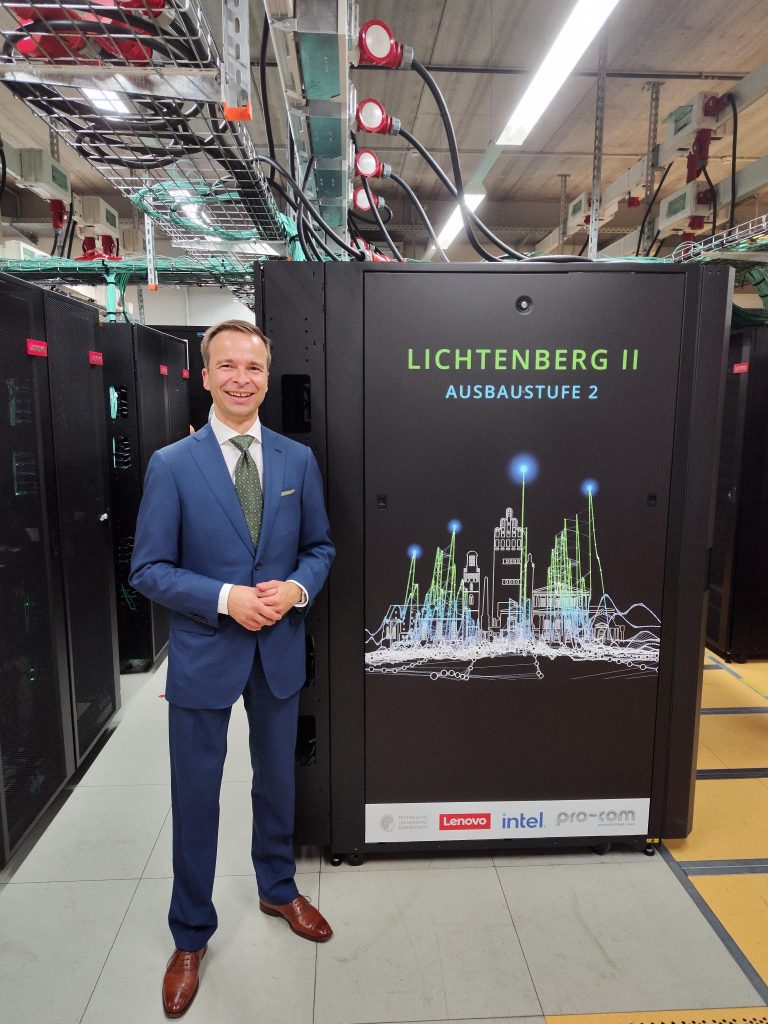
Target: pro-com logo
(451, 822)
(617, 817)
(523, 821)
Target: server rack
(295, 406)
(557, 742)
(199, 398)
(737, 618)
(147, 403)
(57, 650)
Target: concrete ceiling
(692, 44)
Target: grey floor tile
(617, 938)
(101, 832)
(419, 945)
(234, 855)
(412, 863)
(478, 1020)
(256, 969)
(142, 695)
(54, 939)
(136, 754)
(573, 856)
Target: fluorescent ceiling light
(585, 21)
(455, 223)
(104, 99)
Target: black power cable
(302, 198)
(713, 197)
(373, 200)
(386, 216)
(432, 85)
(421, 212)
(443, 177)
(264, 98)
(309, 251)
(649, 207)
(735, 111)
(67, 228)
(3, 170)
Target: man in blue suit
(233, 537)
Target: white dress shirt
(231, 454)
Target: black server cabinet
(82, 479)
(737, 621)
(199, 398)
(57, 651)
(519, 472)
(295, 406)
(147, 401)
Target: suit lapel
(274, 475)
(210, 461)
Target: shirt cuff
(224, 599)
(304, 595)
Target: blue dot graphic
(414, 551)
(590, 487)
(523, 468)
(454, 526)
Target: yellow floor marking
(739, 741)
(730, 821)
(741, 904)
(732, 1015)
(722, 690)
(707, 759)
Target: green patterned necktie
(248, 486)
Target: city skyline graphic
(504, 618)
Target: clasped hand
(262, 605)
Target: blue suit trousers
(198, 747)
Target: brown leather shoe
(303, 918)
(181, 981)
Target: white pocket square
(284, 493)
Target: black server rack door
(749, 625)
(126, 479)
(518, 447)
(80, 446)
(151, 392)
(35, 717)
(199, 398)
(728, 493)
(178, 388)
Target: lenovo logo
(464, 821)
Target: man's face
(236, 376)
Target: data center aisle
(527, 938)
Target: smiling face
(237, 376)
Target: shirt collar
(223, 433)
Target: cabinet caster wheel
(355, 859)
(336, 860)
(649, 851)
(601, 849)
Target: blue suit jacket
(191, 538)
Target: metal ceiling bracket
(149, 239)
(597, 166)
(563, 207)
(236, 64)
(651, 152)
(164, 83)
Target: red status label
(163, 370)
(185, 374)
(37, 348)
(741, 367)
(96, 358)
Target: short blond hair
(242, 327)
